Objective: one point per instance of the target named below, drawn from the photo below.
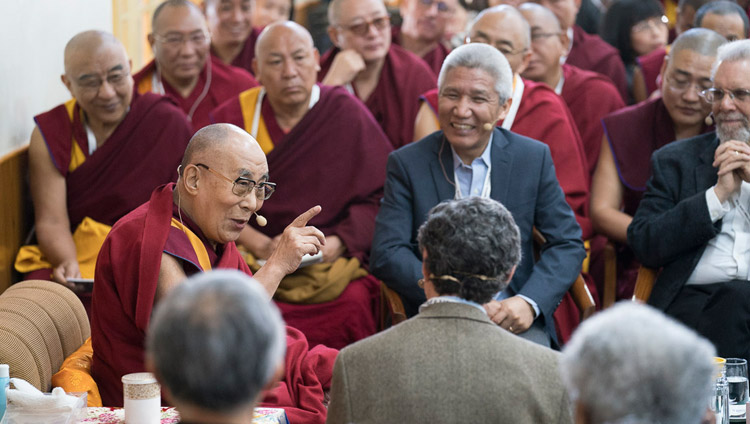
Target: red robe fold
(342, 152)
(590, 97)
(592, 53)
(142, 153)
(395, 101)
(650, 65)
(226, 82)
(434, 58)
(127, 274)
(245, 58)
(544, 116)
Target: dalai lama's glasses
(242, 186)
(363, 28)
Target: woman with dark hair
(635, 28)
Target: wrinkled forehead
(103, 58)
(242, 158)
(500, 25)
(281, 39)
(179, 19)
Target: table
(108, 415)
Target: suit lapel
(441, 175)
(705, 173)
(501, 164)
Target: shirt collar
(451, 299)
(485, 157)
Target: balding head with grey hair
(633, 364)
(484, 57)
(469, 237)
(216, 341)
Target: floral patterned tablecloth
(170, 416)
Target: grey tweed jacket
(449, 364)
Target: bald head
(541, 16)
(504, 28)
(699, 40)
(88, 44)
(507, 19)
(172, 3)
(725, 17)
(212, 140)
(286, 29)
(334, 11)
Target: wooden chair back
(15, 212)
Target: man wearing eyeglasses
(423, 29)
(95, 158)
(323, 132)
(634, 133)
(385, 77)
(693, 222)
(184, 229)
(183, 69)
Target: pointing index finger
(302, 220)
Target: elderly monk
(423, 29)
(387, 78)
(189, 227)
(634, 133)
(302, 126)
(96, 157)
(587, 51)
(725, 17)
(182, 68)
(469, 158)
(535, 112)
(232, 34)
(589, 96)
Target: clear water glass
(736, 373)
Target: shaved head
(87, 44)
(507, 15)
(551, 24)
(334, 11)
(213, 139)
(279, 29)
(173, 3)
(699, 40)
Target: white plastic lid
(4, 370)
(139, 378)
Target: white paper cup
(142, 398)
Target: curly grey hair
(467, 237)
(631, 363)
(216, 340)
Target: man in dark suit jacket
(475, 86)
(693, 220)
(451, 363)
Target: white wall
(34, 34)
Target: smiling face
(98, 76)
(374, 44)
(180, 43)
(230, 21)
(732, 116)
(685, 75)
(466, 102)
(287, 64)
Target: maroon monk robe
(245, 58)
(142, 153)
(634, 133)
(395, 101)
(544, 116)
(127, 274)
(433, 58)
(590, 97)
(225, 83)
(650, 65)
(592, 53)
(338, 144)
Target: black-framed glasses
(243, 185)
(716, 95)
(363, 28)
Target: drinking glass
(736, 371)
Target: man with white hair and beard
(694, 221)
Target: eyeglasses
(539, 36)
(441, 5)
(91, 84)
(242, 186)
(655, 23)
(682, 84)
(363, 28)
(500, 45)
(716, 95)
(177, 40)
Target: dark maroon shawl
(395, 101)
(434, 58)
(142, 153)
(650, 65)
(592, 53)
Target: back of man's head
(633, 364)
(216, 341)
(469, 239)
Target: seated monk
(189, 227)
(324, 132)
(589, 96)
(232, 34)
(423, 29)
(632, 134)
(182, 68)
(387, 78)
(95, 158)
